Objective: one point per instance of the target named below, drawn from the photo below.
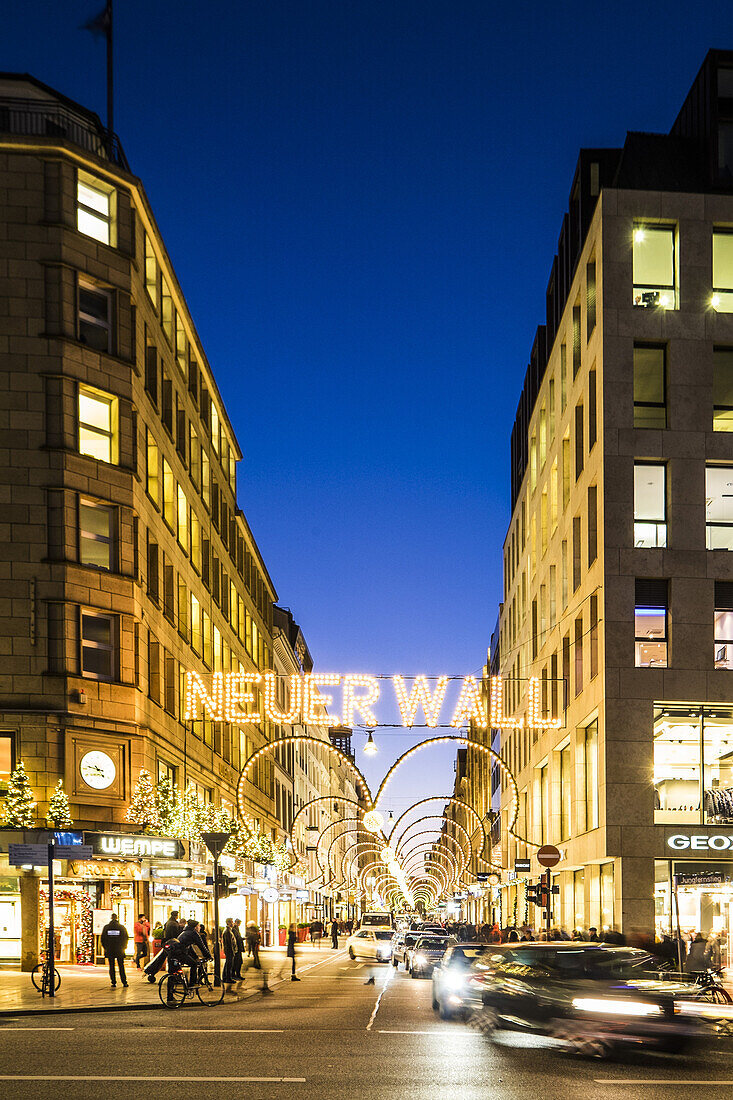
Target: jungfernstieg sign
(237, 696)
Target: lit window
(194, 465)
(719, 507)
(95, 317)
(181, 345)
(650, 505)
(214, 428)
(723, 624)
(677, 735)
(650, 404)
(722, 389)
(97, 424)
(182, 518)
(195, 541)
(95, 209)
(152, 467)
(654, 266)
(97, 645)
(7, 758)
(96, 535)
(169, 496)
(650, 624)
(722, 298)
(167, 311)
(151, 272)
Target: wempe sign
(134, 846)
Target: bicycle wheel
(37, 977)
(172, 990)
(208, 993)
(715, 994)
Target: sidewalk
(87, 988)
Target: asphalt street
(330, 1035)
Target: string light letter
(420, 693)
(316, 704)
(352, 702)
(468, 707)
(271, 708)
(237, 698)
(196, 691)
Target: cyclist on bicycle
(188, 940)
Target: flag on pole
(99, 24)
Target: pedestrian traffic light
(538, 894)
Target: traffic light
(225, 886)
(538, 894)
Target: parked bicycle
(711, 988)
(42, 978)
(174, 988)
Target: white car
(370, 944)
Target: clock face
(97, 769)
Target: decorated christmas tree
(59, 813)
(143, 809)
(20, 807)
(168, 808)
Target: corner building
(618, 561)
(124, 557)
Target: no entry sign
(548, 855)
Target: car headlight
(455, 981)
(420, 960)
(615, 1008)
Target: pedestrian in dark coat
(253, 938)
(334, 934)
(173, 927)
(290, 953)
(114, 944)
(238, 952)
(229, 943)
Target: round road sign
(548, 855)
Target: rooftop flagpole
(102, 24)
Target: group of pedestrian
(335, 928)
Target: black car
(426, 953)
(450, 978)
(592, 996)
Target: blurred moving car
(592, 996)
(451, 996)
(402, 943)
(370, 944)
(426, 953)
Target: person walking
(141, 932)
(696, 961)
(229, 943)
(114, 944)
(334, 935)
(290, 952)
(253, 939)
(172, 928)
(238, 952)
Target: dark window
(576, 552)
(534, 629)
(650, 398)
(578, 655)
(723, 389)
(181, 430)
(169, 599)
(170, 684)
(153, 669)
(579, 441)
(96, 535)
(592, 411)
(97, 645)
(594, 635)
(95, 317)
(193, 380)
(566, 670)
(592, 524)
(151, 373)
(153, 571)
(166, 412)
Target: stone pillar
(30, 920)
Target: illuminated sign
(134, 846)
(235, 697)
(701, 842)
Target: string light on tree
(20, 806)
(143, 809)
(59, 811)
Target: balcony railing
(46, 118)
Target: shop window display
(701, 900)
(693, 765)
(74, 941)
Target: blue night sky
(362, 202)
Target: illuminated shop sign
(236, 697)
(134, 846)
(701, 842)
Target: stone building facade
(617, 560)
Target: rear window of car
(383, 935)
(432, 943)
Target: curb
(247, 995)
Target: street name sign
(522, 865)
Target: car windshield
(435, 943)
(383, 935)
